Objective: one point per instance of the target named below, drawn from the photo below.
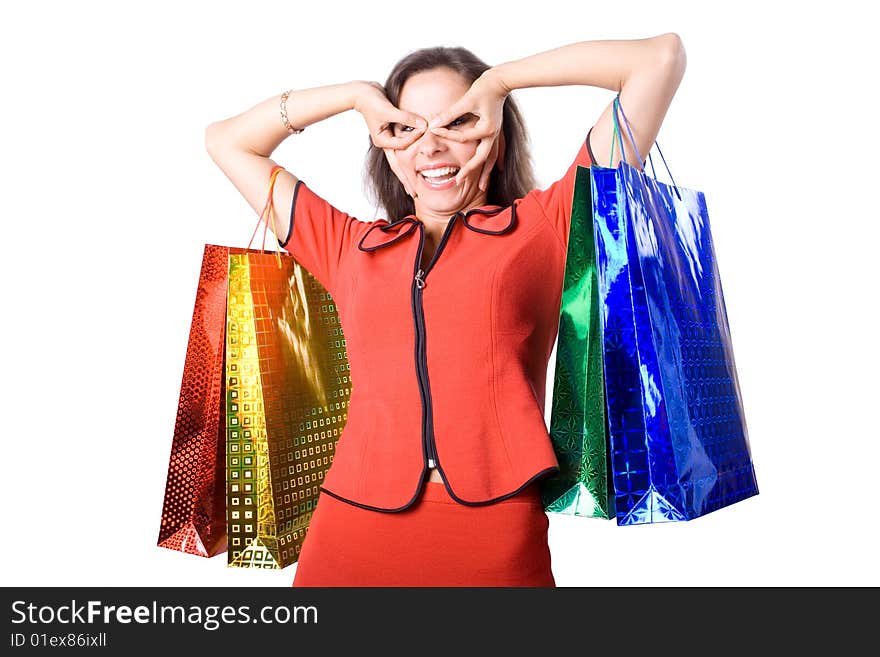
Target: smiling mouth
(439, 177)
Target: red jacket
(448, 364)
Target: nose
(429, 143)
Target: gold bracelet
(290, 128)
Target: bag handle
(269, 209)
(617, 134)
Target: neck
(435, 221)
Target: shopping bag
(194, 507)
(678, 440)
(288, 388)
(578, 423)
(287, 393)
(276, 407)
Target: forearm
(259, 130)
(605, 64)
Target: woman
(436, 477)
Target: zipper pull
(420, 279)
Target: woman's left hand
(485, 100)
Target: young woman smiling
(450, 307)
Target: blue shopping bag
(678, 442)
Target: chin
(440, 201)
(446, 208)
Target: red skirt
(436, 542)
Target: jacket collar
(397, 230)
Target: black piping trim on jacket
(506, 229)
(530, 481)
(379, 508)
(590, 150)
(421, 340)
(415, 222)
(455, 497)
(292, 208)
(384, 229)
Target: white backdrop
(109, 197)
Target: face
(427, 94)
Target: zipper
(419, 283)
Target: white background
(109, 197)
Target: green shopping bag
(578, 424)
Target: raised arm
(241, 145)
(645, 72)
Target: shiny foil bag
(679, 444)
(578, 421)
(287, 394)
(194, 508)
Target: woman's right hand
(381, 117)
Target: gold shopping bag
(287, 389)
(287, 393)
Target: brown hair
(515, 177)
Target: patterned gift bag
(287, 393)
(194, 507)
(679, 446)
(263, 402)
(578, 425)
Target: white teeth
(437, 173)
